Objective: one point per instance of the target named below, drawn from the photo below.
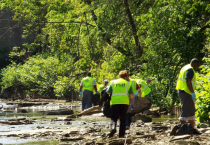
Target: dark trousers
(128, 119)
(118, 111)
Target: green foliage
(148, 38)
(203, 96)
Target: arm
(131, 96)
(95, 88)
(80, 88)
(189, 85)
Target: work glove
(136, 95)
(193, 96)
(80, 93)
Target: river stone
(14, 123)
(181, 137)
(159, 127)
(71, 138)
(67, 123)
(141, 104)
(19, 119)
(120, 141)
(143, 118)
(90, 143)
(186, 142)
(203, 125)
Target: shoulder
(190, 71)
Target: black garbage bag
(182, 129)
(96, 98)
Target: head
(195, 63)
(148, 80)
(89, 74)
(123, 75)
(106, 82)
(128, 74)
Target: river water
(44, 121)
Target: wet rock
(100, 143)
(12, 135)
(59, 112)
(143, 118)
(120, 141)
(202, 125)
(67, 123)
(71, 138)
(159, 127)
(40, 127)
(19, 119)
(139, 133)
(186, 142)
(145, 136)
(14, 123)
(23, 111)
(90, 143)
(180, 137)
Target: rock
(159, 127)
(100, 143)
(139, 133)
(161, 143)
(143, 118)
(186, 142)
(207, 132)
(180, 137)
(14, 123)
(90, 143)
(202, 125)
(12, 135)
(59, 112)
(72, 138)
(142, 104)
(39, 127)
(19, 119)
(120, 141)
(144, 136)
(23, 111)
(67, 123)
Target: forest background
(150, 38)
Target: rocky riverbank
(94, 129)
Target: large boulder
(59, 112)
(141, 104)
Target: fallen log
(89, 110)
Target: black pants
(119, 111)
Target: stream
(35, 113)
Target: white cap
(148, 79)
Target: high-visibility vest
(120, 89)
(145, 90)
(133, 84)
(88, 83)
(100, 89)
(181, 83)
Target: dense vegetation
(149, 38)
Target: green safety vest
(181, 83)
(145, 90)
(133, 84)
(88, 83)
(120, 88)
(101, 89)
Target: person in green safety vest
(185, 87)
(121, 90)
(103, 86)
(145, 90)
(87, 86)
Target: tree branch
(138, 47)
(75, 22)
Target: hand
(136, 95)
(80, 93)
(193, 96)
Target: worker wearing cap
(145, 90)
(103, 86)
(87, 86)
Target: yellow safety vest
(181, 83)
(133, 84)
(120, 89)
(88, 83)
(145, 90)
(101, 89)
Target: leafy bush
(203, 95)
